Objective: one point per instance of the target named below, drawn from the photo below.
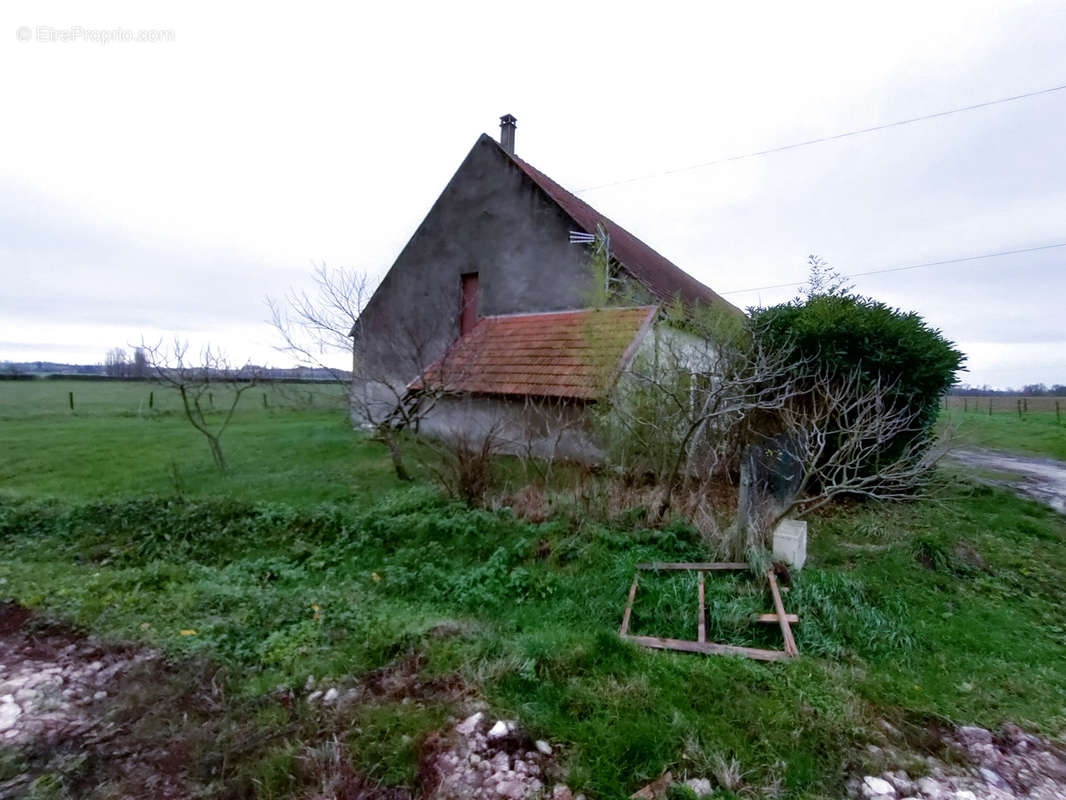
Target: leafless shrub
(465, 463)
(706, 401)
(529, 503)
(685, 409)
(546, 422)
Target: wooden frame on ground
(701, 645)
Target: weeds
(526, 614)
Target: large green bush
(845, 332)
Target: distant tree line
(1028, 390)
(117, 364)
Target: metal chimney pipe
(507, 128)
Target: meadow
(1039, 431)
(309, 558)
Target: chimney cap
(507, 129)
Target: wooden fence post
(70, 400)
(1025, 404)
(151, 400)
(1058, 413)
(1019, 408)
(965, 404)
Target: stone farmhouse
(487, 308)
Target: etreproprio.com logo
(48, 34)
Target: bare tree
(842, 435)
(698, 394)
(115, 363)
(385, 390)
(196, 381)
(699, 405)
(316, 328)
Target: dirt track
(1042, 479)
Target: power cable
(910, 266)
(821, 139)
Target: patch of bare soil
(90, 719)
(87, 719)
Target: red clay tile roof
(663, 278)
(572, 354)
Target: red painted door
(468, 310)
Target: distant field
(1038, 432)
(24, 399)
(298, 447)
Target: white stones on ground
(900, 781)
(309, 684)
(992, 778)
(873, 786)
(330, 696)
(26, 695)
(562, 792)
(100, 695)
(7, 699)
(313, 697)
(974, 734)
(965, 794)
(9, 712)
(469, 725)
(498, 730)
(701, 787)
(544, 747)
(929, 788)
(510, 789)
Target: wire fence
(1006, 404)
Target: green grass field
(1039, 433)
(296, 447)
(310, 558)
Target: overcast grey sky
(168, 186)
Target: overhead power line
(822, 139)
(910, 266)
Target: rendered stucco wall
(490, 219)
(552, 431)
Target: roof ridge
(658, 274)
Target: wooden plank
(701, 566)
(709, 648)
(629, 607)
(702, 634)
(773, 618)
(782, 617)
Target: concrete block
(790, 542)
